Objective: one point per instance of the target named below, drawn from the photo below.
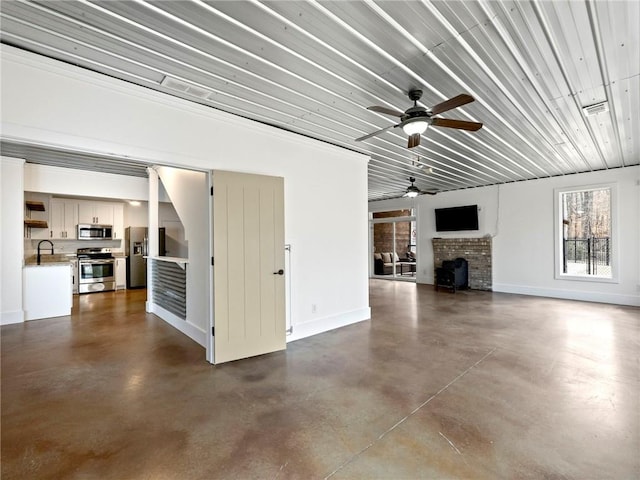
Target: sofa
(383, 264)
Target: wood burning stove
(454, 274)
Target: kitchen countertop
(48, 264)
(169, 259)
(58, 259)
(48, 259)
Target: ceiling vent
(595, 109)
(185, 87)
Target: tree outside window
(586, 244)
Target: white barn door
(248, 249)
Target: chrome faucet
(39, 243)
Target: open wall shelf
(36, 223)
(34, 206)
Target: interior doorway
(393, 245)
(249, 267)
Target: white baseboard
(600, 297)
(194, 333)
(7, 318)
(325, 324)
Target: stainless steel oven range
(96, 270)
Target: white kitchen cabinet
(118, 221)
(63, 218)
(121, 273)
(46, 291)
(100, 213)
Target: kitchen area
(84, 245)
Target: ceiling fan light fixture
(412, 190)
(414, 126)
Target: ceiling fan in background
(415, 120)
(413, 191)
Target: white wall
(11, 240)
(47, 102)
(65, 181)
(520, 218)
(189, 193)
(424, 206)
(136, 215)
(525, 243)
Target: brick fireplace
(477, 251)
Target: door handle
(279, 272)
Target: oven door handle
(97, 262)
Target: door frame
(394, 220)
(210, 344)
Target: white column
(152, 232)
(11, 239)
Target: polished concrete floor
(437, 385)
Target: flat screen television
(457, 218)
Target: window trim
(557, 221)
(373, 221)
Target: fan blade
(388, 111)
(454, 102)
(460, 124)
(428, 193)
(414, 140)
(375, 133)
(392, 196)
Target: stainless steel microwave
(95, 232)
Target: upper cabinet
(95, 213)
(57, 218)
(118, 221)
(64, 218)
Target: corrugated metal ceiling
(314, 67)
(58, 157)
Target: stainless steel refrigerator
(136, 248)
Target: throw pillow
(386, 257)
